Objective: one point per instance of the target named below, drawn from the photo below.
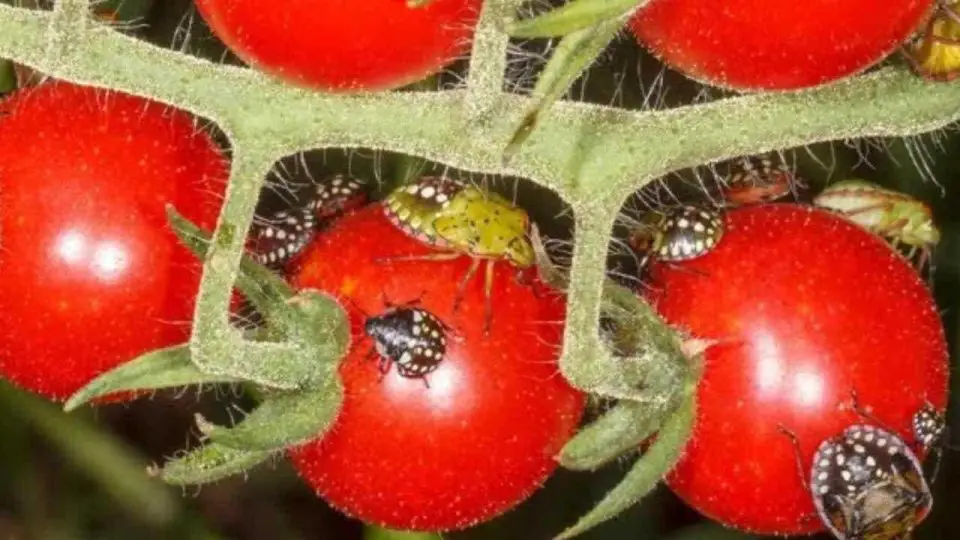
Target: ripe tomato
(92, 275)
(760, 45)
(806, 308)
(483, 436)
(336, 45)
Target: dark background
(81, 476)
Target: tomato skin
(484, 435)
(339, 45)
(806, 308)
(92, 274)
(754, 45)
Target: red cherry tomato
(483, 436)
(806, 308)
(761, 45)
(92, 274)
(337, 45)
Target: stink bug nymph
(278, 239)
(462, 220)
(867, 484)
(412, 338)
(887, 213)
(677, 234)
(757, 179)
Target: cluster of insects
(462, 220)
(868, 483)
(686, 232)
(455, 218)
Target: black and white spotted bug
(277, 240)
(928, 426)
(677, 234)
(867, 484)
(412, 338)
(337, 195)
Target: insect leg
(488, 298)
(797, 455)
(446, 256)
(462, 288)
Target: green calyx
(283, 418)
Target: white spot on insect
(822, 476)
(413, 189)
(868, 437)
(824, 463)
(417, 316)
(871, 462)
(268, 232)
(416, 330)
(892, 450)
(683, 223)
(845, 474)
(405, 358)
(841, 459)
(858, 448)
(337, 181)
(442, 198)
(824, 490)
(281, 234)
(881, 442)
(699, 227)
(428, 192)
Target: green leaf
(574, 54)
(207, 464)
(646, 472)
(162, 368)
(619, 430)
(113, 467)
(266, 290)
(574, 16)
(282, 420)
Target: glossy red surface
(483, 436)
(764, 45)
(92, 275)
(806, 308)
(343, 45)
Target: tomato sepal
(616, 432)
(281, 420)
(647, 472)
(162, 368)
(573, 16)
(207, 464)
(313, 319)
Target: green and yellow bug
(935, 54)
(887, 213)
(463, 220)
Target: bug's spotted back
(928, 426)
(280, 238)
(868, 484)
(688, 232)
(757, 179)
(414, 208)
(412, 338)
(337, 195)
